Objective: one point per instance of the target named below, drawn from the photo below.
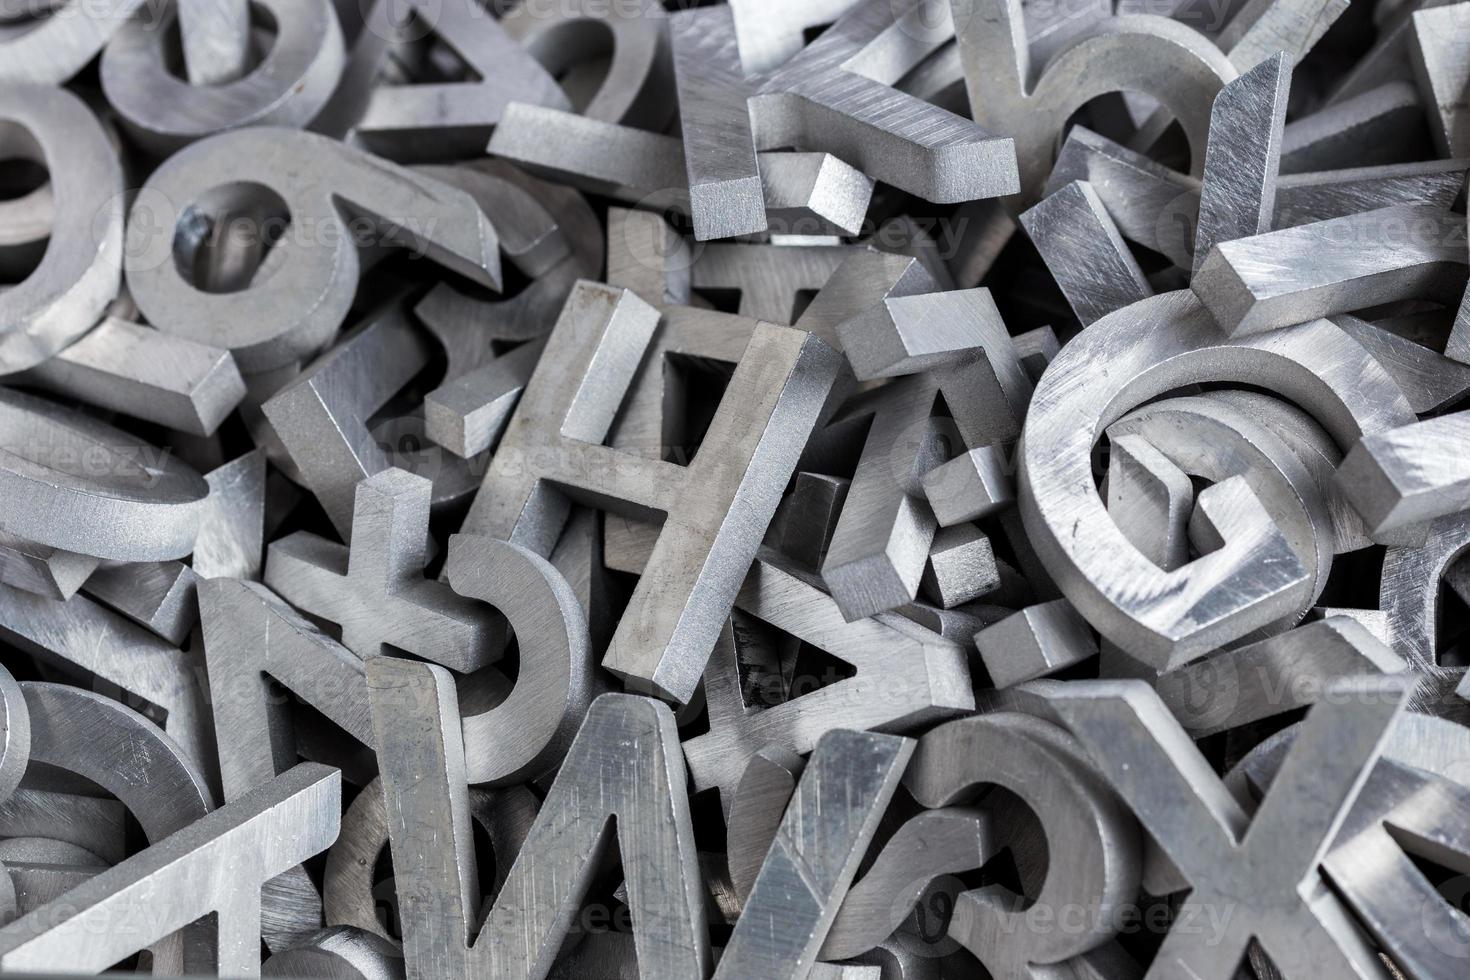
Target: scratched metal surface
(751, 489)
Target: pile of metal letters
(752, 490)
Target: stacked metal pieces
(766, 490)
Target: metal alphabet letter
(717, 508)
(624, 763)
(1265, 869)
(300, 187)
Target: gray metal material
(1085, 252)
(640, 783)
(298, 70)
(1408, 476)
(962, 566)
(216, 38)
(628, 543)
(646, 255)
(39, 568)
(321, 417)
(99, 740)
(1158, 207)
(810, 193)
(398, 120)
(1302, 198)
(68, 36)
(527, 733)
(85, 486)
(836, 96)
(1150, 498)
(748, 453)
(1273, 857)
(15, 722)
(1147, 349)
(1137, 53)
(1342, 530)
(83, 636)
(79, 274)
(348, 884)
(633, 86)
(769, 34)
(1243, 158)
(252, 637)
(340, 952)
(725, 192)
(1220, 437)
(160, 596)
(905, 956)
(810, 517)
(1429, 380)
(38, 882)
(1260, 29)
(1336, 266)
(232, 527)
(379, 408)
(905, 677)
(1047, 769)
(1377, 122)
(527, 220)
(146, 374)
(466, 325)
(974, 485)
(754, 812)
(1035, 642)
(1148, 202)
(506, 816)
(879, 548)
(949, 840)
(1284, 673)
(230, 189)
(1380, 880)
(827, 827)
(905, 335)
(866, 279)
(1442, 72)
(169, 885)
(469, 414)
(770, 278)
(376, 590)
(93, 823)
(1409, 591)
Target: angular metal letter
(1264, 870)
(826, 831)
(624, 766)
(178, 880)
(717, 508)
